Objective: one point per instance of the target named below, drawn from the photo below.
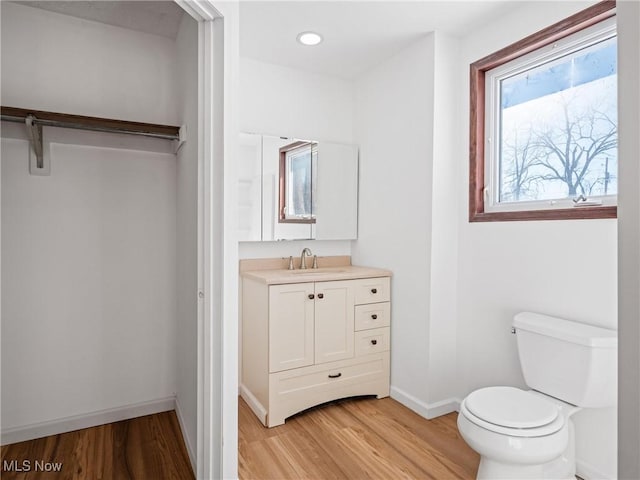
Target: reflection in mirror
(292, 189)
(272, 227)
(297, 183)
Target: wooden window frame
(282, 184)
(575, 23)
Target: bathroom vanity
(311, 336)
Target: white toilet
(527, 434)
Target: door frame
(217, 349)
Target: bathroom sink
(316, 271)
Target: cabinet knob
(321, 295)
(374, 290)
(311, 296)
(374, 316)
(337, 375)
(374, 342)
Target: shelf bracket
(37, 165)
(182, 138)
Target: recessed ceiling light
(309, 38)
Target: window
(544, 130)
(298, 164)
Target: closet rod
(65, 120)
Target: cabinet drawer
(299, 380)
(296, 390)
(372, 290)
(372, 315)
(372, 341)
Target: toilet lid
(511, 407)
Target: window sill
(582, 213)
(297, 220)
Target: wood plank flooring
(354, 439)
(350, 439)
(144, 448)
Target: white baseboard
(589, 472)
(92, 419)
(254, 404)
(426, 410)
(185, 436)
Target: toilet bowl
(529, 434)
(518, 433)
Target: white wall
(187, 234)
(277, 100)
(442, 367)
(629, 241)
(124, 73)
(563, 268)
(394, 121)
(407, 176)
(89, 253)
(88, 278)
(281, 101)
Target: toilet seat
(512, 411)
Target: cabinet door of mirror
(293, 189)
(337, 192)
(249, 187)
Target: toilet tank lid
(566, 330)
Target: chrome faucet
(303, 262)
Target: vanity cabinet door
(334, 321)
(291, 312)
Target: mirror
(250, 188)
(296, 189)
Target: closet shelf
(65, 120)
(34, 120)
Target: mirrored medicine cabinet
(296, 189)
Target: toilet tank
(572, 361)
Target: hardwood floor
(354, 439)
(144, 448)
(350, 439)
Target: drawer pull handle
(311, 296)
(374, 290)
(374, 342)
(337, 375)
(374, 316)
(321, 295)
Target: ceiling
(357, 34)
(155, 17)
